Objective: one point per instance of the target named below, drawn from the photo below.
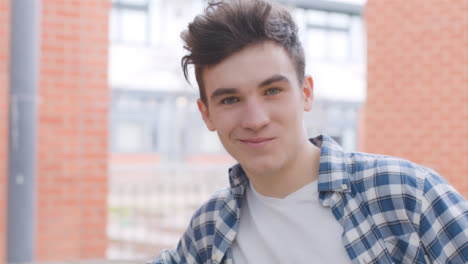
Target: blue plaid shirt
(391, 211)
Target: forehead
(249, 67)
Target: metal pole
(24, 73)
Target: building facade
(417, 84)
(154, 111)
(72, 149)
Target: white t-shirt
(295, 229)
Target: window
(329, 35)
(130, 21)
(129, 137)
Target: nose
(255, 116)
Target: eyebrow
(223, 91)
(273, 79)
(226, 91)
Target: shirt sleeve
(185, 252)
(444, 221)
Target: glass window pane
(316, 43)
(316, 17)
(129, 137)
(210, 142)
(156, 12)
(339, 42)
(134, 2)
(338, 20)
(133, 26)
(128, 104)
(114, 25)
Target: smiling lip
(256, 142)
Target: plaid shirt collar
(425, 208)
(333, 174)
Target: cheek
(286, 112)
(228, 119)
(225, 124)
(291, 118)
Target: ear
(308, 92)
(205, 115)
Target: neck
(299, 171)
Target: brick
(71, 107)
(417, 74)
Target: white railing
(149, 207)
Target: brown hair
(229, 26)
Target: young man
(291, 199)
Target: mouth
(256, 142)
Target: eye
(229, 100)
(272, 91)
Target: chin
(257, 167)
(256, 163)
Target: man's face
(255, 104)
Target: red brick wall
(417, 84)
(73, 130)
(4, 84)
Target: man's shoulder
(199, 238)
(209, 211)
(372, 164)
(381, 172)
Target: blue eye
(230, 100)
(272, 91)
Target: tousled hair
(227, 27)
